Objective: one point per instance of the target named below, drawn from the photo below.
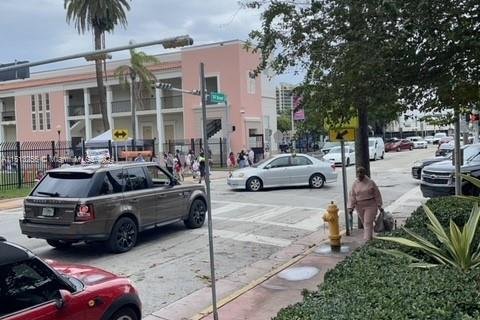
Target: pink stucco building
(66, 100)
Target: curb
(13, 203)
(202, 314)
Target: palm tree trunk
(134, 111)
(101, 88)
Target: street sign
(120, 135)
(345, 134)
(352, 123)
(218, 97)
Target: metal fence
(23, 163)
(217, 148)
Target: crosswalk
(298, 220)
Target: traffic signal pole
(207, 183)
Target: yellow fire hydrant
(331, 216)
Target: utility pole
(207, 183)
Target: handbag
(379, 225)
(383, 222)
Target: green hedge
(373, 285)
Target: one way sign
(120, 135)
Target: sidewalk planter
(372, 285)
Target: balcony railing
(146, 104)
(168, 102)
(95, 108)
(121, 106)
(76, 110)
(171, 102)
(8, 115)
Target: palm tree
(128, 75)
(101, 16)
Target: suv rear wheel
(123, 236)
(196, 216)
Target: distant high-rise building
(284, 97)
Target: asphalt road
(171, 262)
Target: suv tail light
(84, 212)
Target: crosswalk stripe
(247, 237)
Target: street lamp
(59, 130)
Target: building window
(41, 116)
(47, 112)
(211, 84)
(250, 83)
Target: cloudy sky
(36, 29)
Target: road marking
(264, 205)
(312, 223)
(227, 208)
(247, 237)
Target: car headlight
(417, 164)
(240, 175)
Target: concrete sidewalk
(310, 258)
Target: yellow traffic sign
(352, 123)
(120, 135)
(345, 134)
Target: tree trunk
(362, 152)
(101, 88)
(134, 109)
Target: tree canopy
(373, 57)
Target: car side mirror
(65, 298)
(268, 166)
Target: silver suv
(110, 203)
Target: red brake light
(84, 212)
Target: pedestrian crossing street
(297, 219)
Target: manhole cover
(298, 273)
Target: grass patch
(14, 193)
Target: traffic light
(163, 85)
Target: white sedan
(418, 142)
(284, 170)
(335, 155)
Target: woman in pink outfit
(366, 198)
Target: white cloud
(37, 29)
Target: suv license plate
(48, 212)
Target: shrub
(372, 285)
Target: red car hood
(87, 274)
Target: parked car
(398, 145)
(438, 179)
(376, 148)
(438, 136)
(284, 170)
(429, 139)
(110, 203)
(445, 140)
(329, 145)
(444, 149)
(420, 164)
(31, 288)
(418, 142)
(335, 155)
